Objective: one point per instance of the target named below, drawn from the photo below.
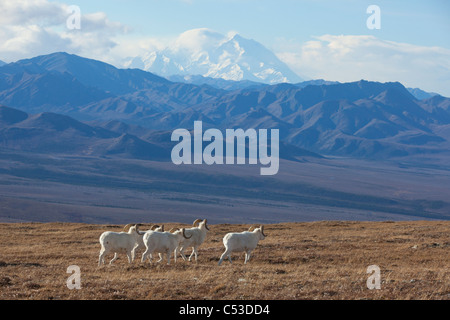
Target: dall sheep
(118, 242)
(163, 242)
(242, 242)
(130, 237)
(140, 242)
(198, 235)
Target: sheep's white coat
(241, 242)
(118, 242)
(198, 235)
(110, 245)
(140, 242)
(162, 242)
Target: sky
(327, 39)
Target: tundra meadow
(292, 150)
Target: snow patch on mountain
(211, 54)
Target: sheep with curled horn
(140, 243)
(118, 242)
(163, 242)
(198, 235)
(245, 241)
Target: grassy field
(314, 260)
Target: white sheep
(198, 235)
(242, 242)
(163, 242)
(140, 242)
(130, 237)
(118, 242)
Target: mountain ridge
(51, 133)
(357, 119)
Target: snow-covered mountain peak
(209, 53)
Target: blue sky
(325, 39)
(417, 22)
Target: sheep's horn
(184, 234)
(251, 228)
(262, 231)
(173, 230)
(127, 227)
(139, 231)
(206, 226)
(155, 226)
(196, 222)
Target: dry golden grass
(318, 260)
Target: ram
(198, 235)
(140, 242)
(163, 242)
(242, 242)
(118, 242)
(127, 240)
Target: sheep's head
(260, 230)
(263, 235)
(156, 227)
(179, 231)
(127, 227)
(199, 223)
(134, 229)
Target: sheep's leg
(145, 255)
(182, 253)
(160, 257)
(194, 253)
(115, 258)
(133, 253)
(168, 257)
(224, 255)
(247, 256)
(129, 256)
(101, 257)
(175, 252)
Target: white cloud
(193, 40)
(29, 28)
(28, 40)
(33, 27)
(20, 12)
(351, 58)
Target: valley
(86, 189)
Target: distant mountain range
(231, 85)
(51, 133)
(210, 54)
(420, 94)
(359, 119)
